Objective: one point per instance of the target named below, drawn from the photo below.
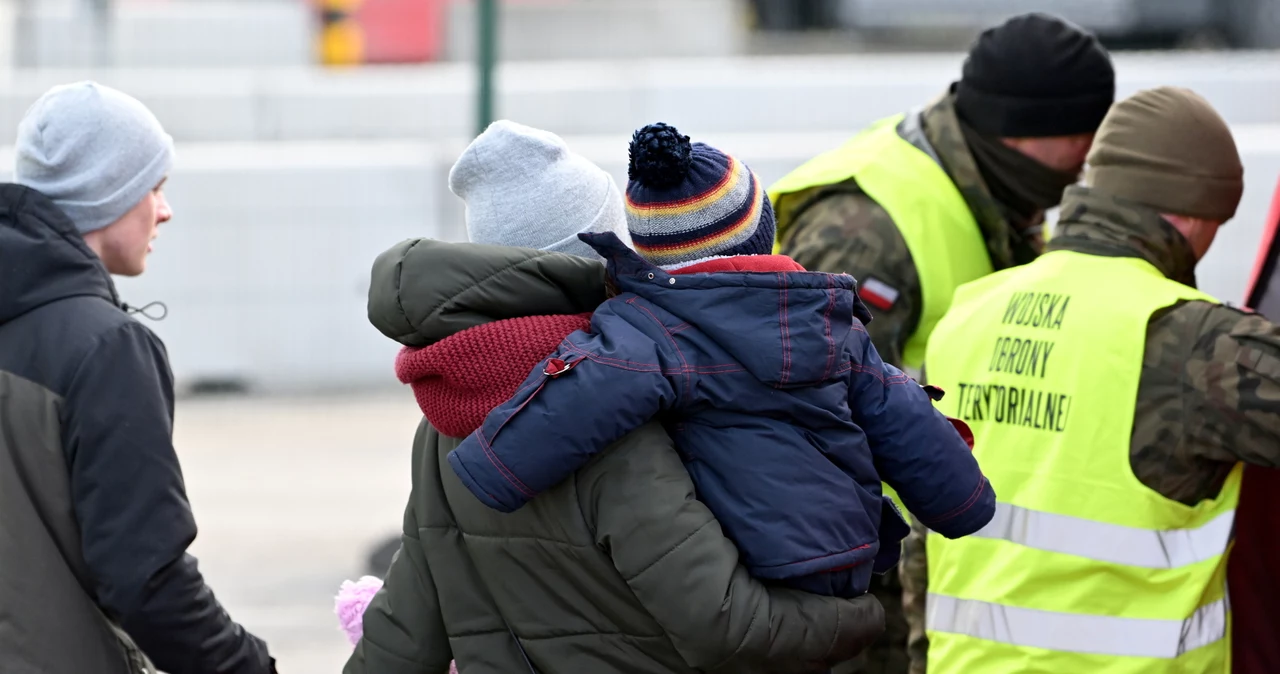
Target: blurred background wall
(312, 135)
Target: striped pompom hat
(687, 202)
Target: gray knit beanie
(524, 187)
(96, 152)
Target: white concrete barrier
(615, 29)
(747, 95)
(265, 267)
(219, 34)
(267, 33)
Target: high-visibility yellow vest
(1084, 568)
(941, 233)
(945, 241)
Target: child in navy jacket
(763, 374)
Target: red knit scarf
(461, 378)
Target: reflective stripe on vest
(1110, 542)
(941, 233)
(1083, 568)
(1075, 632)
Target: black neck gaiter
(1021, 185)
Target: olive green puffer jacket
(619, 569)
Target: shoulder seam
(128, 324)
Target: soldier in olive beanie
(1168, 149)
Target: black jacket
(93, 509)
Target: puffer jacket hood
(43, 258)
(423, 290)
(475, 319)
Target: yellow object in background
(341, 38)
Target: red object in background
(402, 31)
(1252, 577)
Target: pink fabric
(350, 605)
(352, 600)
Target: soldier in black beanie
(1035, 76)
(921, 203)
(1032, 93)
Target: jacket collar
(1097, 223)
(940, 130)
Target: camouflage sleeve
(914, 571)
(846, 232)
(1234, 365)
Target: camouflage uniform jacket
(839, 229)
(1209, 393)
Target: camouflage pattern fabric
(1209, 396)
(914, 575)
(839, 229)
(1209, 393)
(1006, 242)
(845, 231)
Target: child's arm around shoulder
(595, 388)
(917, 450)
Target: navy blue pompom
(660, 156)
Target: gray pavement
(290, 494)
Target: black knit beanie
(1035, 76)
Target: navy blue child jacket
(786, 417)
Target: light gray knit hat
(524, 187)
(95, 151)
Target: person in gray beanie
(95, 526)
(619, 569)
(524, 187)
(96, 152)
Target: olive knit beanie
(1168, 149)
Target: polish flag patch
(878, 294)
